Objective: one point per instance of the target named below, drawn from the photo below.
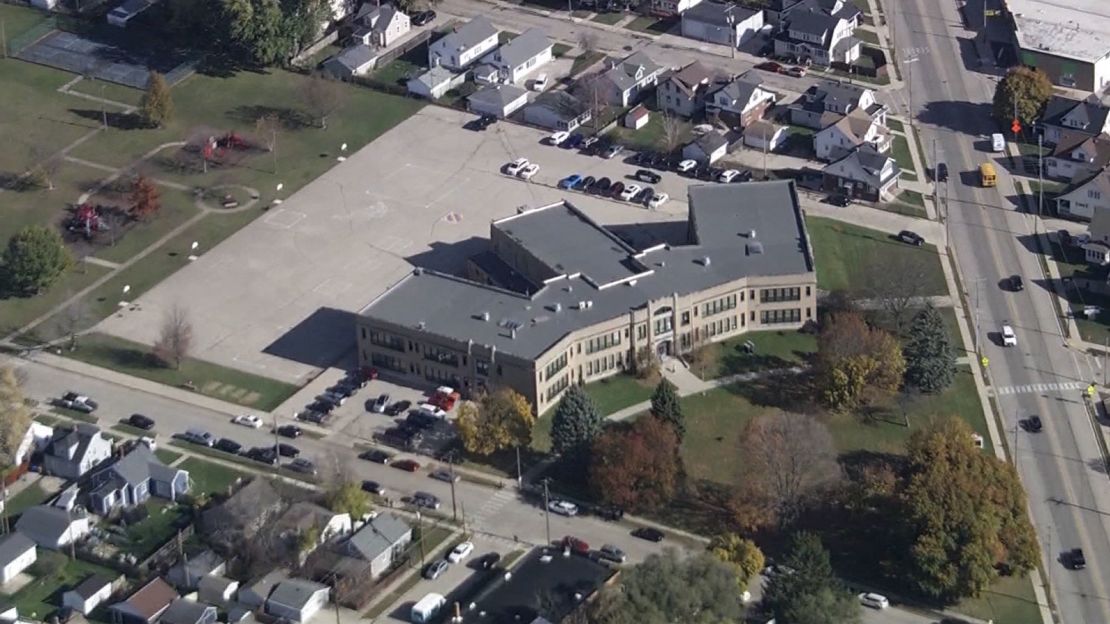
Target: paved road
(1068, 494)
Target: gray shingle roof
(379, 535)
(740, 90)
(436, 76)
(527, 45)
(141, 465)
(295, 593)
(711, 142)
(498, 96)
(812, 22)
(355, 57)
(1059, 106)
(71, 444)
(624, 73)
(717, 13)
(184, 611)
(836, 94)
(470, 34)
(863, 164)
(90, 586)
(12, 546)
(44, 524)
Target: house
(464, 45)
(133, 479)
(254, 595)
(516, 59)
(217, 590)
(8, 611)
(484, 74)
(186, 574)
(17, 553)
(824, 103)
(182, 611)
(89, 594)
(764, 135)
(380, 26)
(777, 11)
(850, 131)
(35, 440)
(683, 92)
(726, 24)
(557, 110)
(73, 452)
(355, 60)
(1077, 155)
(707, 149)
(624, 81)
(1085, 197)
(243, 514)
(670, 8)
(144, 606)
(740, 101)
(636, 118)
(297, 600)
(435, 83)
(304, 516)
(1096, 253)
(53, 527)
(380, 542)
(497, 100)
(863, 173)
(818, 37)
(1063, 114)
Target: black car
(77, 403)
(485, 121)
(426, 500)
(142, 422)
(649, 534)
(602, 185)
(573, 141)
(342, 390)
(1075, 559)
(586, 184)
(312, 416)
(373, 487)
(398, 408)
(941, 173)
(420, 420)
(1016, 284)
(324, 407)
(376, 456)
(580, 185)
(702, 172)
(644, 196)
(910, 238)
(650, 177)
(616, 190)
(839, 199)
(423, 17)
(1032, 424)
(289, 431)
(607, 512)
(488, 560)
(265, 455)
(287, 450)
(228, 446)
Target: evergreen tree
(34, 259)
(666, 406)
(930, 358)
(811, 593)
(575, 424)
(156, 107)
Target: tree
(15, 417)
(856, 363)
(323, 95)
(742, 554)
(666, 406)
(34, 259)
(591, 92)
(930, 358)
(587, 41)
(896, 286)
(636, 467)
(348, 497)
(667, 588)
(811, 593)
(1025, 90)
(44, 167)
(575, 424)
(146, 199)
(499, 420)
(647, 363)
(256, 30)
(790, 458)
(175, 339)
(156, 105)
(267, 127)
(963, 512)
(672, 130)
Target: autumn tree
(930, 358)
(896, 286)
(34, 259)
(666, 407)
(15, 416)
(146, 199)
(267, 32)
(857, 363)
(175, 338)
(348, 497)
(790, 458)
(498, 420)
(811, 593)
(575, 424)
(964, 514)
(1024, 90)
(742, 554)
(156, 105)
(636, 466)
(323, 95)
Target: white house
(89, 594)
(435, 83)
(254, 595)
(726, 24)
(521, 56)
(380, 542)
(740, 101)
(1086, 197)
(850, 131)
(380, 26)
(707, 149)
(466, 44)
(669, 8)
(297, 600)
(824, 103)
(36, 439)
(497, 100)
(53, 527)
(1063, 114)
(818, 37)
(17, 553)
(683, 92)
(623, 82)
(74, 451)
(764, 135)
(1077, 155)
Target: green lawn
(773, 349)
(608, 18)
(1009, 599)
(584, 61)
(842, 250)
(28, 497)
(209, 478)
(615, 393)
(714, 420)
(895, 125)
(408, 65)
(867, 36)
(651, 24)
(560, 50)
(107, 90)
(18, 20)
(900, 150)
(17, 312)
(177, 208)
(652, 137)
(146, 536)
(909, 203)
(43, 596)
(211, 379)
(167, 456)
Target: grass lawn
(177, 208)
(842, 250)
(895, 125)
(608, 18)
(584, 61)
(714, 420)
(408, 65)
(1009, 599)
(107, 90)
(146, 536)
(901, 152)
(208, 477)
(18, 20)
(651, 24)
(211, 379)
(909, 203)
(167, 456)
(43, 596)
(652, 136)
(867, 36)
(773, 349)
(28, 497)
(17, 312)
(615, 393)
(560, 50)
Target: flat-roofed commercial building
(1069, 41)
(558, 298)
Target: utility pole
(764, 151)
(1106, 349)
(1040, 184)
(936, 182)
(420, 528)
(546, 511)
(519, 476)
(451, 471)
(977, 282)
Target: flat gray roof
(1076, 29)
(723, 217)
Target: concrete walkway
(689, 384)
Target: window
(387, 340)
(685, 319)
(600, 343)
(441, 356)
(775, 295)
(1094, 194)
(718, 305)
(481, 367)
(641, 331)
(775, 317)
(387, 362)
(807, 291)
(363, 332)
(554, 389)
(556, 365)
(663, 325)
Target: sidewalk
(682, 378)
(882, 220)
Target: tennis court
(103, 61)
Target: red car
(575, 545)
(445, 398)
(407, 465)
(770, 66)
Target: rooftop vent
(705, 261)
(631, 282)
(418, 271)
(420, 325)
(581, 305)
(512, 333)
(751, 234)
(754, 248)
(555, 307)
(589, 304)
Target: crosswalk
(1040, 388)
(494, 504)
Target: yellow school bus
(987, 176)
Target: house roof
(692, 77)
(836, 94)
(216, 584)
(379, 535)
(72, 444)
(1098, 145)
(1090, 111)
(45, 524)
(354, 57)
(855, 125)
(741, 88)
(186, 574)
(91, 586)
(264, 585)
(628, 73)
(13, 546)
(436, 76)
(813, 22)
(469, 34)
(523, 47)
(560, 103)
(303, 515)
(498, 96)
(1076, 29)
(295, 593)
(863, 164)
(253, 503)
(711, 142)
(386, 13)
(762, 127)
(717, 13)
(184, 611)
(150, 600)
(1098, 181)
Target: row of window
(555, 366)
(719, 305)
(603, 364)
(721, 326)
(441, 356)
(554, 389)
(774, 317)
(600, 343)
(775, 295)
(385, 339)
(387, 361)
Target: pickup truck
(76, 402)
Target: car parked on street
(910, 238)
(248, 420)
(76, 402)
(562, 507)
(839, 199)
(460, 552)
(199, 436)
(444, 475)
(875, 601)
(436, 569)
(1032, 424)
(425, 500)
(611, 553)
(228, 445)
(488, 560)
(289, 431)
(141, 422)
(770, 66)
(303, 466)
(287, 450)
(1075, 559)
(263, 454)
(376, 456)
(373, 487)
(649, 534)
(408, 465)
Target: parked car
(558, 137)
(658, 200)
(446, 476)
(1032, 424)
(248, 420)
(398, 408)
(727, 175)
(289, 431)
(373, 487)
(324, 407)
(287, 450)
(644, 196)
(630, 192)
(343, 390)
(460, 552)
(265, 455)
(608, 512)
(485, 121)
(796, 71)
(910, 238)
(838, 199)
(303, 466)
(1074, 559)
(573, 141)
(426, 500)
(380, 403)
(77, 402)
(514, 167)
(575, 544)
(529, 171)
(612, 151)
(423, 18)
(570, 181)
(376, 456)
(589, 142)
(686, 166)
(199, 436)
(228, 445)
(616, 189)
(488, 560)
(650, 177)
(408, 465)
(875, 601)
(587, 184)
(539, 83)
(331, 397)
(1016, 284)
(435, 569)
(142, 422)
(649, 534)
(602, 186)
(431, 410)
(312, 416)
(562, 507)
(770, 66)
(1009, 338)
(611, 553)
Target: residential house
(380, 542)
(707, 149)
(825, 102)
(624, 81)
(1096, 253)
(670, 8)
(497, 100)
(1077, 155)
(254, 595)
(17, 553)
(764, 135)
(73, 452)
(485, 74)
(683, 92)
(740, 101)
(557, 110)
(144, 606)
(355, 60)
(380, 26)
(726, 24)
(182, 611)
(521, 56)
(186, 574)
(244, 513)
(777, 12)
(850, 131)
(864, 173)
(464, 45)
(1085, 197)
(305, 516)
(35, 440)
(818, 37)
(53, 527)
(435, 83)
(133, 479)
(8, 611)
(1063, 114)
(89, 594)
(297, 600)
(217, 590)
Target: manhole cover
(453, 217)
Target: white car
(516, 166)
(540, 83)
(875, 601)
(529, 171)
(1009, 338)
(658, 200)
(563, 508)
(149, 442)
(248, 420)
(460, 552)
(727, 175)
(558, 137)
(630, 191)
(431, 410)
(686, 165)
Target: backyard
(163, 520)
(208, 477)
(43, 596)
(653, 136)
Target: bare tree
(17, 416)
(672, 130)
(267, 127)
(176, 337)
(114, 220)
(896, 286)
(791, 456)
(44, 167)
(591, 92)
(588, 42)
(322, 96)
(71, 320)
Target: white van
(427, 608)
(998, 142)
